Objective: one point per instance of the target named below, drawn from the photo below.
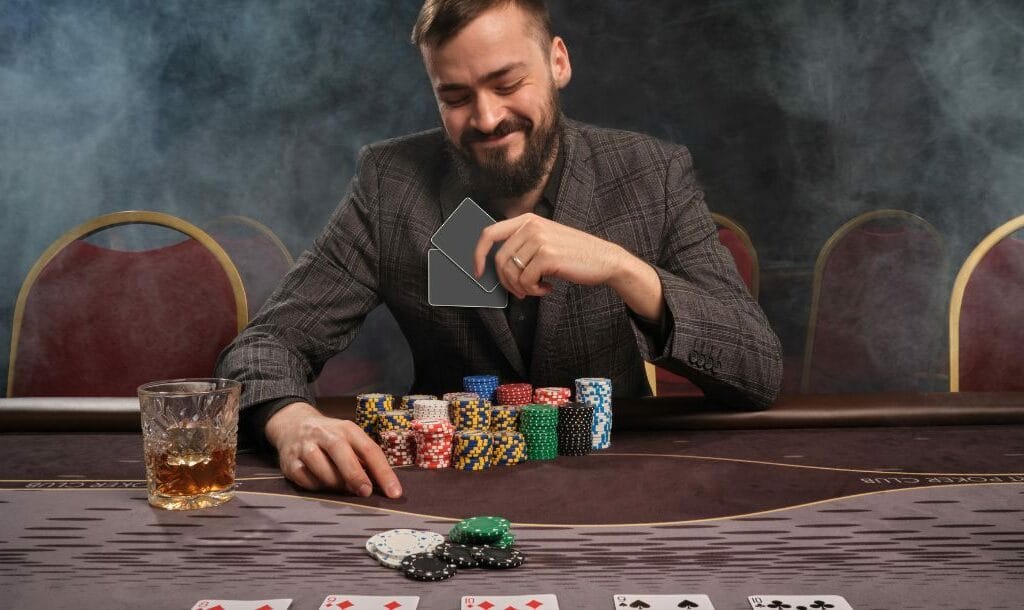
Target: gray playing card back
(458, 236)
(449, 286)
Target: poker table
(890, 500)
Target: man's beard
(491, 176)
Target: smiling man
(606, 244)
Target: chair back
(876, 307)
(735, 239)
(260, 256)
(95, 321)
(986, 315)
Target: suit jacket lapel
(572, 208)
(453, 191)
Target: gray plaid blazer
(623, 187)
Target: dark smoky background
(799, 114)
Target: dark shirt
(522, 314)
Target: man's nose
(488, 112)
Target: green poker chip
(480, 530)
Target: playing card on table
(626, 601)
(799, 602)
(242, 604)
(368, 602)
(504, 602)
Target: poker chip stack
(597, 393)
(368, 407)
(391, 547)
(539, 426)
(575, 421)
(399, 447)
(504, 418)
(514, 394)
(394, 419)
(471, 414)
(408, 399)
(508, 448)
(482, 530)
(433, 438)
(484, 385)
(552, 396)
(472, 450)
(429, 408)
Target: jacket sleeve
(716, 334)
(319, 306)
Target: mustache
(505, 127)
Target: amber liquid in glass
(187, 473)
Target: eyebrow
(496, 74)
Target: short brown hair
(440, 20)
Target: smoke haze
(800, 114)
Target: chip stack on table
(484, 385)
(408, 399)
(575, 421)
(368, 407)
(471, 414)
(504, 418)
(472, 450)
(483, 531)
(514, 394)
(433, 438)
(426, 408)
(399, 447)
(391, 547)
(395, 437)
(508, 448)
(552, 396)
(597, 392)
(539, 425)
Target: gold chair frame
(721, 220)
(112, 220)
(819, 271)
(956, 299)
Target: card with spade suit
(690, 601)
(798, 602)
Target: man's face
(497, 90)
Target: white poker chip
(392, 546)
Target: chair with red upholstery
(877, 308)
(735, 239)
(258, 253)
(97, 321)
(986, 315)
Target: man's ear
(561, 68)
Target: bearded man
(606, 246)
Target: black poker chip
(499, 559)
(461, 555)
(425, 566)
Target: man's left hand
(536, 248)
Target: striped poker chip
(391, 547)
(552, 396)
(427, 567)
(514, 394)
(430, 409)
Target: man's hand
(320, 452)
(536, 247)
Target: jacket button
(692, 356)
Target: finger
(504, 259)
(320, 466)
(536, 266)
(374, 460)
(347, 462)
(297, 472)
(499, 231)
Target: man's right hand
(320, 452)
